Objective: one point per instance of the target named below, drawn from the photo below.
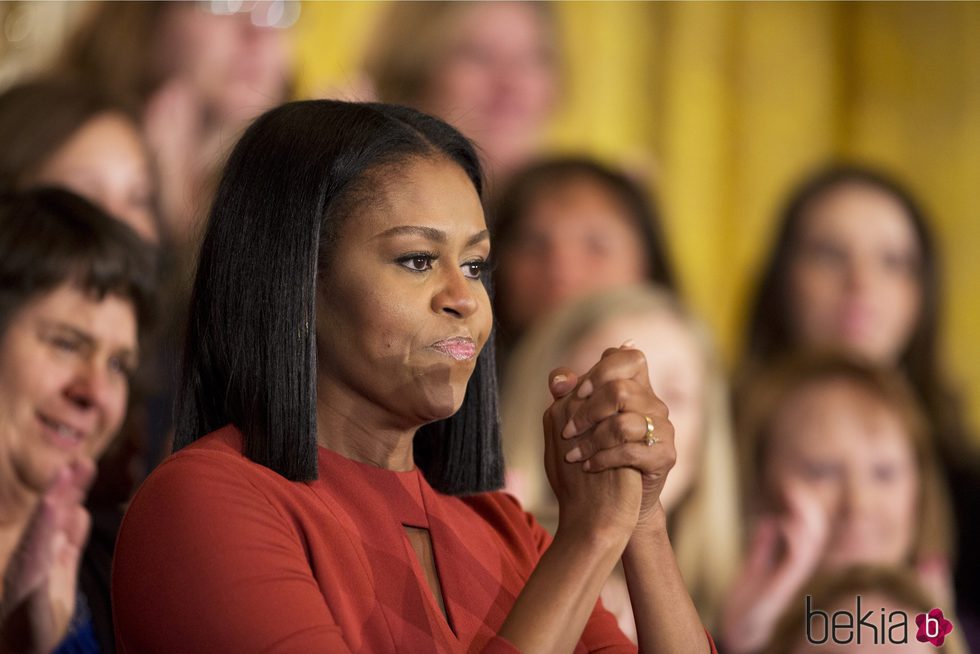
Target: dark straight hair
(250, 358)
(770, 334)
(50, 237)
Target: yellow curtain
(725, 105)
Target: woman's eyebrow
(85, 337)
(431, 233)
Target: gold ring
(649, 438)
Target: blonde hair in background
(898, 584)
(770, 388)
(705, 528)
(411, 40)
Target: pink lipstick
(459, 348)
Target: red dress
(219, 554)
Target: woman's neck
(355, 428)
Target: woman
(491, 69)
(700, 498)
(838, 470)
(198, 72)
(568, 226)
(75, 286)
(337, 436)
(59, 132)
(854, 267)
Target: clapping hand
(41, 579)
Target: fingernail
(569, 430)
(587, 465)
(575, 454)
(585, 389)
(629, 342)
(558, 379)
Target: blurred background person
(855, 267)
(566, 227)
(75, 291)
(838, 469)
(59, 131)
(491, 69)
(882, 590)
(700, 497)
(199, 72)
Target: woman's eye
(418, 262)
(474, 269)
(120, 367)
(826, 253)
(821, 471)
(65, 344)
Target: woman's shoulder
(206, 478)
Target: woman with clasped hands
(337, 438)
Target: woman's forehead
(435, 195)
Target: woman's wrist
(591, 538)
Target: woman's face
(237, 69)
(677, 375)
(65, 361)
(105, 161)
(403, 313)
(854, 282)
(575, 239)
(498, 82)
(841, 445)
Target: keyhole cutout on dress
(421, 543)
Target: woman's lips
(459, 348)
(59, 433)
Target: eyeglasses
(278, 14)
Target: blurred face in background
(238, 69)
(854, 282)
(576, 238)
(498, 82)
(65, 362)
(677, 375)
(105, 162)
(851, 453)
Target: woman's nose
(456, 296)
(89, 387)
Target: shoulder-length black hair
(50, 237)
(511, 206)
(250, 352)
(770, 334)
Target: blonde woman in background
(700, 497)
(489, 68)
(838, 470)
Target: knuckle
(621, 434)
(621, 391)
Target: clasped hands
(606, 467)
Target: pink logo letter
(933, 627)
